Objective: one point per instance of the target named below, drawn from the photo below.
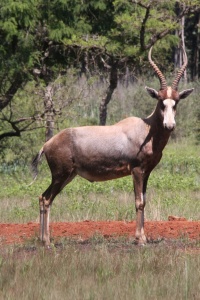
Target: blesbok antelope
(132, 146)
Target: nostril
(173, 125)
(169, 126)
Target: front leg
(140, 184)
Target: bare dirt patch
(18, 233)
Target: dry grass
(101, 269)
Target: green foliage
(41, 40)
(131, 25)
(33, 31)
(17, 25)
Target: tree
(138, 25)
(41, 40)
(16, 55)
(193, 42)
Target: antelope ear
(185, 93)
(153, 93)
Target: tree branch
(6, 99)
(142, 31)
(109, 92)
(16, 130)
(140, 3)
(184, 11)
(156, 37)
(9, 134)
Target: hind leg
(45, 201)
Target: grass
(173, 189)
(98, 268)
(101, 269)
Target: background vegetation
(48, 48)
(172, 186)
(59, 61)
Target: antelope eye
(174, 104)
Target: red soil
(176, 227)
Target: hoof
(49, 247)
(140, 241)
(45, 244)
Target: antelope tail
(34, 164)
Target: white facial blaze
(169, 113)
(169, 92)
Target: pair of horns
(163, 82)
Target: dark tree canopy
(40, 40)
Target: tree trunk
(196, 49)
(178, 57)
(105, 100)
(15, 85)
(183, 45)
(49, 112)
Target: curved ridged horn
(180, 72)
(163, 82)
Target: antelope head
(168, 96)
